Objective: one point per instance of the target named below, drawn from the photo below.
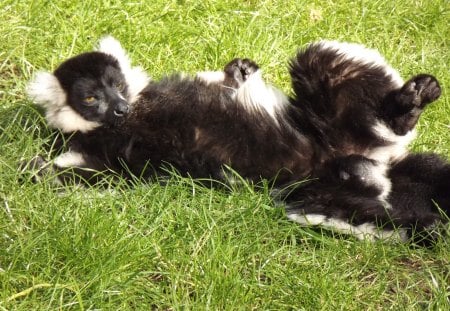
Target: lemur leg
(347, 197)
(238, 71)
(404, 106)
(365, 218)
(234, 74)
(252, 92)
(68, 168)
(244, 78)
(428, 171)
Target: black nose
(121, 109)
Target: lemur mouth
(119, 114)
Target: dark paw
(34, 169)
(239, 70)
(419, 91)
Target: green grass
(181, 246)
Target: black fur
(345, 190)
(419, 177)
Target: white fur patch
(375, 174)
(70, 159)
(211, 76)
(366, 231)
(358, 52)
(68, 121)
(255, 94)
(137, 79)
(46, 91)
(396, 150)
(380, 179)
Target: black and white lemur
(346, 128)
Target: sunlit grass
(182, 246)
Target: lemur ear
(135, 77)
(111, 46)
(46, 91)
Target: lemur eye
(89, 100)
(119, 86)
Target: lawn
(180, 246)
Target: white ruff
(46, 91)
(135, 77)
(381, 181)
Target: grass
(181, 246)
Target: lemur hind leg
(349, 197)
(238, 71)
(235, 73)
(404, 106)
(419, 91)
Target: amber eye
(89, 100)
(119, 86)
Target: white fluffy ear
(111, 46)
(46, 92)
(135, 77)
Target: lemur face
(95, 87)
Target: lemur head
(89, 90)
(95, 87)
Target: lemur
(347, 101)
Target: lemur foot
(410, 101)
(239, 70)
(36, 168)
(419, 91)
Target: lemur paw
(35, 169)
(239, 70)
(419, 91)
